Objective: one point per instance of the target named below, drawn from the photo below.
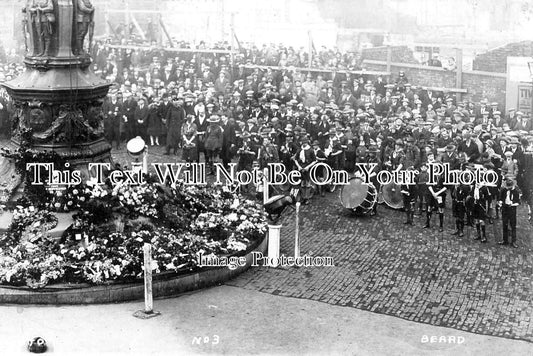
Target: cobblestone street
(409, 272)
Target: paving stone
(408, 272)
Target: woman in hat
(154, 123)
(213, 141)
(430, 113)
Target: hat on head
(510, 181)
(450, 148)
(373, 148)
(213, 118)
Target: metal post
(297, 232)
(148, 297)
(459, 71)
(148, 311)
(145, 160)
(273, 245)
(266, 194)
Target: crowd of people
(202, 107)
(210, 108)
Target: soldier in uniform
(42, 13)
(84, 20)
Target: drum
(358, 196)
(392, 195)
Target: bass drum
(358, 197)
(392, 195)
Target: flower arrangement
(181, 222)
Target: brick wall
(496, 60)
(479, 84)
(401, 54)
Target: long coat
(175, 118)
(155, 125)
(214, 137)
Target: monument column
(65, 14)
(57, 100)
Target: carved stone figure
(43, 18)
(25, 29)
(85, 14)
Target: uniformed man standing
(459, 208)
(84, 19)
(436, 201)
(509, 199)
(42, 13)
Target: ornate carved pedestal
(57, 97)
